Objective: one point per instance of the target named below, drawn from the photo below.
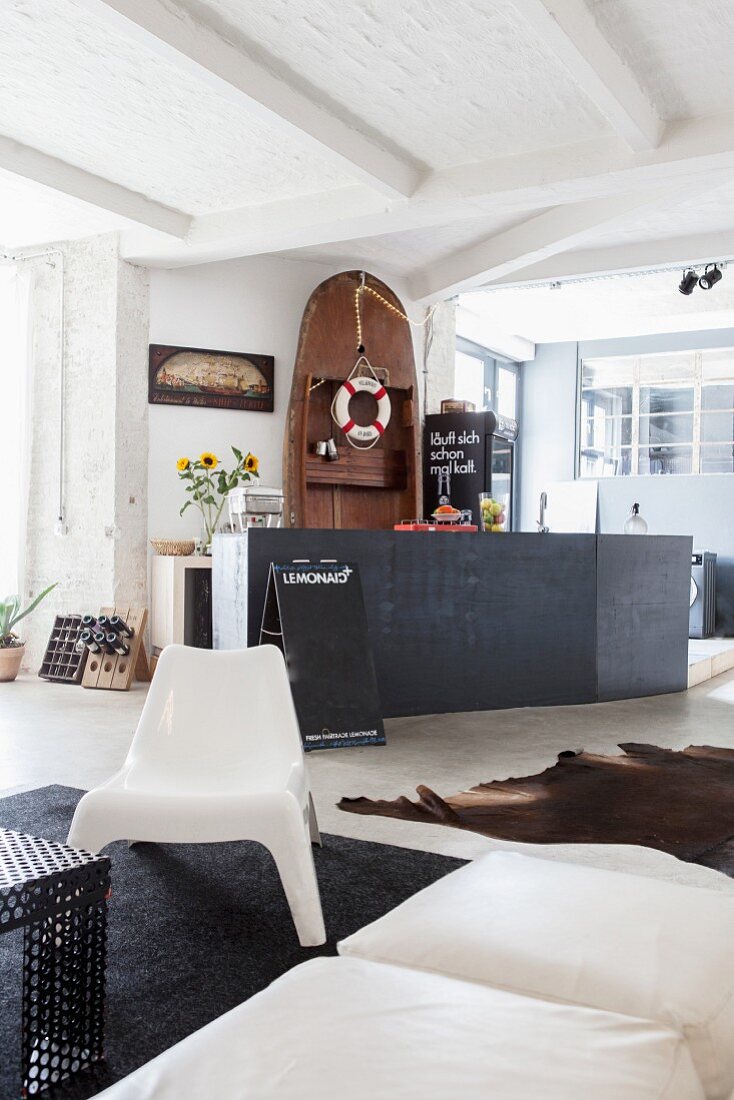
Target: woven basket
(177, 548)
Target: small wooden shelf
(374, 469)
(181, 612)
(62, 661)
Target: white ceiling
(676, 48)
(108, 105)
(446, 83)
(451, 143)
(706, 210)
(401, 253)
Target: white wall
(251, 305)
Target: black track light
(688, 283)
(710, 277)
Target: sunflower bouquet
(209, 484)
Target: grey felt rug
(196, 929)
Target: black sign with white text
(315, 612)
(457, 445)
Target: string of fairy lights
(359, 291)
(362, 289)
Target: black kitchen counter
(462, 622)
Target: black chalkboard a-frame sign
(315, 613)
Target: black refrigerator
(465, 454)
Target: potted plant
(209, 490)
(11, 647)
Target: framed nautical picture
(212, 379)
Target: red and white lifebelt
(358, 433)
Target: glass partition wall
(671, 413)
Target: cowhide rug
(679, 802)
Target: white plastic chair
(217, 755)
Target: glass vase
(492, 513)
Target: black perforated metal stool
(58, 895)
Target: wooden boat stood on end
(373, 488)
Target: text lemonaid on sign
(340, 577)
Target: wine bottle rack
(62, 662)
(115, 671)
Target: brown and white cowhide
(679, 802)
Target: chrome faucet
(542, 526)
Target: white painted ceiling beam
(285, 224)
(696, 150)
(572, 32)
(343, 213)
(338, 214)
(197, 50)
(530, 242)
(695, 251)
(34, 165)
(589, 169)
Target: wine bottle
(89, 622)
(101, 641)
(87, 638)
(103, 622)
(116, 644)
(120, 626)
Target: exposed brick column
(103, 556)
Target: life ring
(357, 433)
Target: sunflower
(251, 463)
(208, 460)
(183, 464)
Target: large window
(657, 414)
(469, 379)
(15, 394)
(488, 382)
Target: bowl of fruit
(492, 514)
(445, 513)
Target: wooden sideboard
(181, 603)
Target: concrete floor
(59, 734)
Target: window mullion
(697, 402)
(635, 455)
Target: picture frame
(210, 379)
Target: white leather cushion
(615, 941)
(335, 1028)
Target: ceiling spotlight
(710, 277)
(688, 283)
